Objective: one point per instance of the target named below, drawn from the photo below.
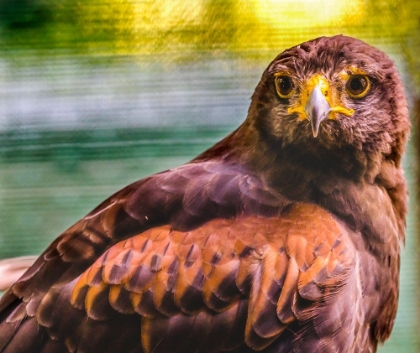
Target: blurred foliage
(68, 149)
(411, 47)
(24, 14)
(174, 29)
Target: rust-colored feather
(210, 265)
(273, 240)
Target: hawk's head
(331, 98)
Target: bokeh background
(96, 94)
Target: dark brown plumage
(283, 237)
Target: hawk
(283, 237)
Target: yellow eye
(284, 86)
(358, 86)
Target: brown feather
(272, 240)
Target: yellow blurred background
(95, 94)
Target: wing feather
(261, 277)
(209, 265)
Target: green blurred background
(96, 94)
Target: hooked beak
(317, 109)
(318, 102)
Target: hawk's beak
(318, 102)
(317, 109)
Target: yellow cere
(329, 93)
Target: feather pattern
(272, 240)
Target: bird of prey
(283, 237)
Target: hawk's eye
(358, 86)
(284, 86)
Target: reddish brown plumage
(272, 240)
